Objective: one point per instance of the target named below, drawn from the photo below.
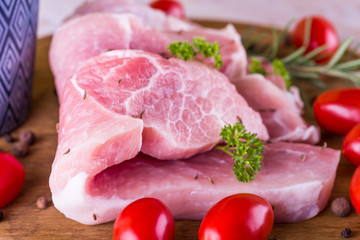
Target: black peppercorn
(21, 149)
(346, 233)
(1, 216)
(340, 207)
(27, 136)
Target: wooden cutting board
(23, 220)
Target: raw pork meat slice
(296, 179)
(183, 105)
(91, 138)
(280, 109)
(84, 37)
(150, 16)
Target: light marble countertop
(344, 14)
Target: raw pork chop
(84, 37)
(183, 105)
(150, 16)
(295, 178)
(280, 109)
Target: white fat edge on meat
(128, 18)
(75, 203)
(310, 134)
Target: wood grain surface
(23, 220)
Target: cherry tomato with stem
(145, 218)
(322, 32)
(351, 146)
(338, 111)
(240, 216)
(12, 178)
(170, 7)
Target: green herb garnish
(256, 67)
(182, 50)
(244, 148)
(186, 51)
(279, 68)
(301, 66)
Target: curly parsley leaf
(182, 50)
(186, 51)
(256, 66)
(280, 69)
(245, 148)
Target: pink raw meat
(84, 37)
(183, 105)
(295, 178)
(150, 16)
(280, 109)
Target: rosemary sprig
(301, 66)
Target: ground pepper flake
(212, 181)
(67, 151)
(142, 114)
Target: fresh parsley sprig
(245, 148)
(186, 51)
(279, 68)
(255, 66)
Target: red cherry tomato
(170, 7)
(146, 218)
(355, 190)
(338, 111)
(12, 178)
(351, 145)
(322, 32)
(240, 216)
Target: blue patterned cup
(18, 24)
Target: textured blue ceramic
(18, 24)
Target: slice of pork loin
(280, 109)
(183, 105)
(154, 17)
(84, 37)
(295, 178)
